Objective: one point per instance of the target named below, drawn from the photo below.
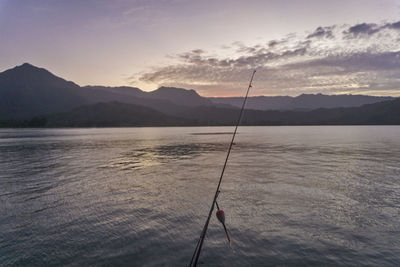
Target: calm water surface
(140, 196)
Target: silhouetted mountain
(301, 102)
(382, 113)
(256, 102)
(311, 101)
(119, 90)
(27, 90)
(174, 95)
(120, 114)
(98, 94)
(111, 114)
(180, 96)
(387, 112)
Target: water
(140, 196)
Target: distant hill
(127, 95)
(381, 113)
(301, 102)
(27, 91)
(111, 114)
(120, 90)
(178, 96)
(117, 114)
(256, 102)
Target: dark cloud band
(338, 58)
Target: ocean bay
(326, 195)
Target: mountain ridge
(116, 114)
(303, 101)
(27, 91)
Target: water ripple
(293, 196)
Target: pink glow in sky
(210, 46)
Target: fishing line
(196, 253)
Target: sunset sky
(315, 46)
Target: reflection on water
(214, 133)
(150, 156)
(139, 196)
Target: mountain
(381, 113)
(111, 114)
(27, 90)
(256, 102)
(115, 114)
(387, 112)
(301, 102)
(310, 101)
(178, 96)
(129, 95)
(120, 90)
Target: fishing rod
(220, 213)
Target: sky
(297, 46)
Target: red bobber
(221, 216)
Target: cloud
(367, 29)
(334, 59)
(362, 29)
(354, 62)
(395, 25)
(321, 32)
(255, 56)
